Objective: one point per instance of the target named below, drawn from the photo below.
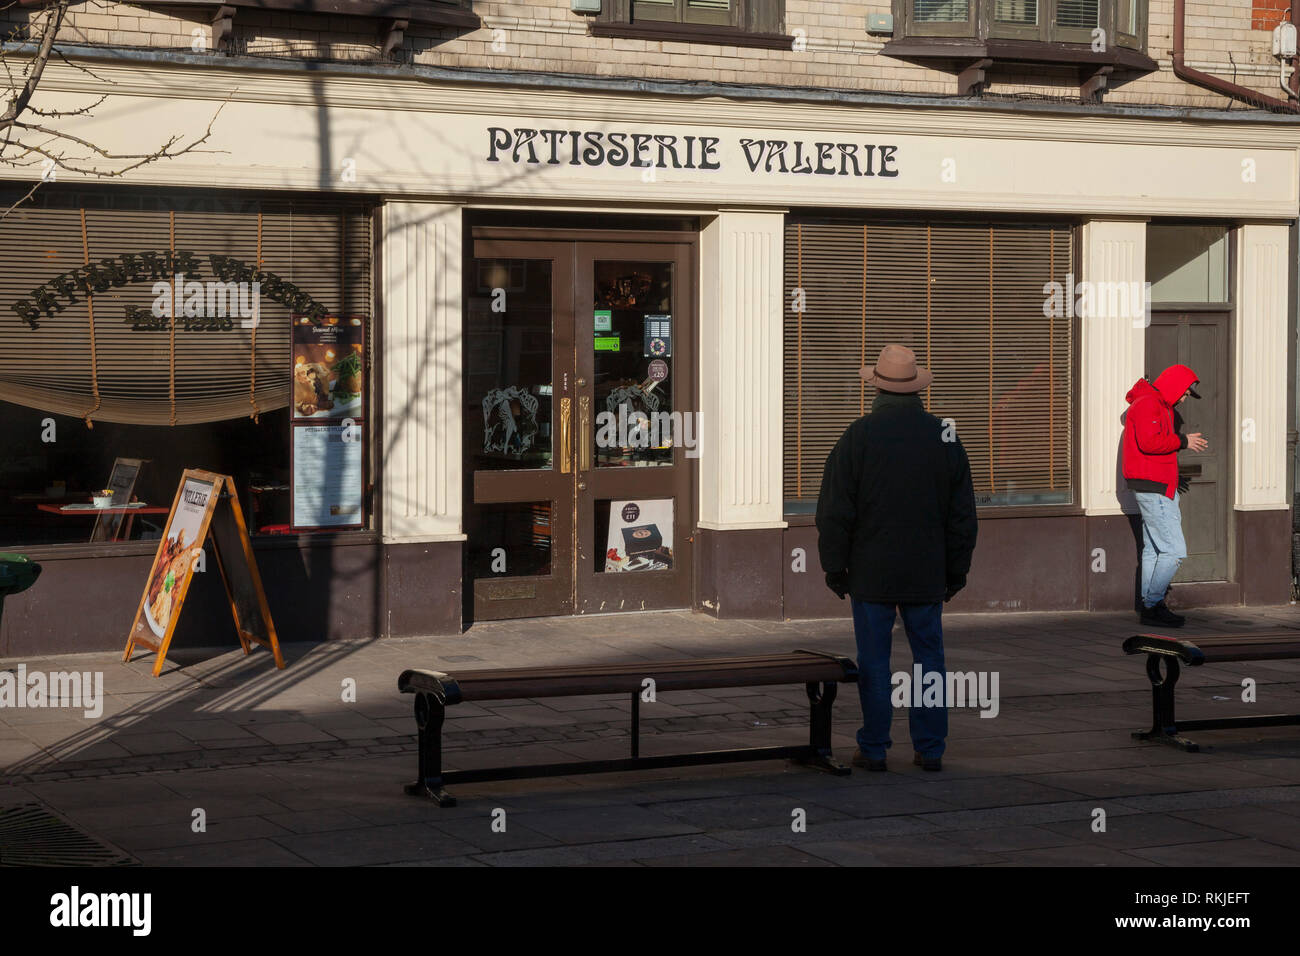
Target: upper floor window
(730, 22)
(1098, 23)
(721, 12)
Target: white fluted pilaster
(741, 371)
(421, 355)
(1113, 347)
(1259, 366)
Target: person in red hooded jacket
(1150, 461)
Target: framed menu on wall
(328, 423)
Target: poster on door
(640, 535)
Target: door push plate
(584, 433)
(566, 435)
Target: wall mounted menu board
(205, 509)
(328, 423)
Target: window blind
(1016, 11)
(1082, 14)
(93, 359)
(941, 11)
(969, 300)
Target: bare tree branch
(31, 136)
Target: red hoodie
(1150, 442)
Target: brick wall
(1230, 38)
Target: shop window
(1187, 264)
(754, 23)
(974, 302)
(182, 331)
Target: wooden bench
(1195, 652)
(434, 692)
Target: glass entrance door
(634, 492)
(579, 427)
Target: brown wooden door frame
(577, 582)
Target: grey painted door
(1200, 341)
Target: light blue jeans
(1163, 548)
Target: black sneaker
(1161, 616)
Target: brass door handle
(584, 430)
(566, 435)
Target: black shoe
(861, 760)
(929, 763)
(1161, 616)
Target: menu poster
(640, 535)
(328, 368)
(328, 423)
(205, 502)
(122, 483)
(174, 564)
(328, 469)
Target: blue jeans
(1163, 548)
(873, 625)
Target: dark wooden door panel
(1200, 341)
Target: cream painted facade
(345, 134)
(434, 150)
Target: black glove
(838, 581)
(954, 585)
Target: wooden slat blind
(968, 298)
(157, 377)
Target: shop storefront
(602, 359)
(148, 331)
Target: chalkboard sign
(122, 484)
(205, 511)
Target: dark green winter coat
(897, 507)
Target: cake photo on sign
(328, 365)
(640, 536)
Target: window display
(157, 328)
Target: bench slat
(1219, 648)
(626, 677)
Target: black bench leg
(821, 697)
(1164, 726)
(429, 715)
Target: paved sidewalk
(288, 772)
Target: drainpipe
(1215, 83)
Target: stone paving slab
(288, 773)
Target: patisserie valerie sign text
(178, 289)
(596, 148)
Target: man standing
(1151, 446)
(896, 525)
